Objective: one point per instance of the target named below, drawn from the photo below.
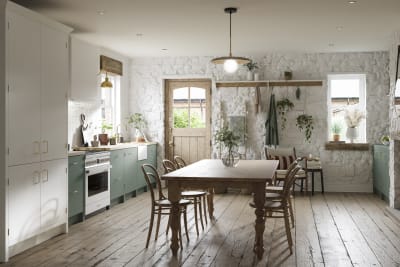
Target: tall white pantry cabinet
(37, 82)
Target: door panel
(23, 55)
(54, 92)
(188, 113)
(24, 202)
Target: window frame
(362, 77)
(115, 101)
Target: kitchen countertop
(111, 147)
(75, 153)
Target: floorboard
(338, 229)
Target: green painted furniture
(76, 188)
(381, 171)
(126, 177)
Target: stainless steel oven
(97, 181)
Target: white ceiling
(201, 28)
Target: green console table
(381, 171)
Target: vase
(250, 76)
(256, 76)
(230, 159)
(103, 138)
(352, 133)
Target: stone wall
(394, 163)
(344, 170)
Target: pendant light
(230, 63)
(106, 83)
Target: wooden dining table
(210, 173)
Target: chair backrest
(180, 163)
(285, 155)
(150, 175)
(168, 165)
(289, 181)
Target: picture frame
(238, 125)
(397, 79)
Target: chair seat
(193, 193)
(281, 174)
(273, 196)
(274, 189)
(166, 202)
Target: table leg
(174, 196)
(259, 201)
(312, 182)
(210, 203)
(322, 181)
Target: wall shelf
(221, 84)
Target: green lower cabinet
(151, 159)
(116, 175)
(130, 169)
(381, 171)
(76, 188)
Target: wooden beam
(269, 83)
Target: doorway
(188, 119)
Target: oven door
(97, 187)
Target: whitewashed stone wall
(344, 170)
(394, 162)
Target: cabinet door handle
(36, 147)
(36, 177)
(75, 163)
(45, 176)
(76, 191)
(46, 147)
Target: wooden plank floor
(338, 229)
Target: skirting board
(36, 240)
(343, 188)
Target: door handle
(36, 147)
(45, 176)
(46, 145)
(36, 178)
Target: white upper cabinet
(55, 83)
(23, 71)
(85, 68)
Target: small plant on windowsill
(103, 137)
(305, 122)
(353, 118)
(336, 128)
(284, 105)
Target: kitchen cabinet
(76, 188)
(381, 178)
(126, 177)
(85, 69)
(37, 79)
(36, 201)
(38, 84)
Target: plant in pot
(251, 67)
(305, 122)
(113, 139)
(138, 122)
(353, 118)
(336, 130)
(103, 137)
(284, 105)
(227, 138)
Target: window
(110, 102)
(347, 92)
(189, 107)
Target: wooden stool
(321, 173)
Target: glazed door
(188, 119)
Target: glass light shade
(230, 65)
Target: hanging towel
(271, 125)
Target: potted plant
(103, 137)
(305, 122)
(138, 122)
(353, 118)
(113, 139)
(251, 67)
(230, 141)
(336, 130)
(385, 140)
(284, 105)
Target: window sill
(347, 146)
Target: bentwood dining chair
(160, 205)
(287, 155)
(278, 208)
(196, 197)
(180, 163)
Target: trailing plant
(284, 106)
(251, 66)
(305, 122)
